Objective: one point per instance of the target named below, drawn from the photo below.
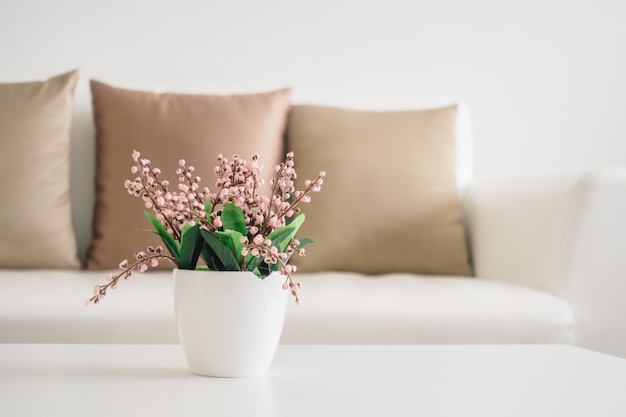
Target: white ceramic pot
(229, 323)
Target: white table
(152, 380)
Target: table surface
(153, 380)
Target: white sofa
(546, 254)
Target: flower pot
(229, 323)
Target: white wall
(545, 80)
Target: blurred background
(544, 79)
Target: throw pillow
(389, 202)
(36, 228)
(166, 128)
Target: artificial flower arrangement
(231, 229)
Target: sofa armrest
(596, 261)
(565, 234)
(516, 228)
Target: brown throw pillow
(36, 228)
(166, 128)
(389, 202)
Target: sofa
(544, 256)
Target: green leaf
(280, 238)
(253, 262)
(208, 206)
(233, 219)
(264, 269)
(280, 241)
(218, 251)
(191, 245)
(169, 242)
(303, 242)
(232, 239)
(210, 259)
(283, 238)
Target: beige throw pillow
(166, 128)
(389, 202)
(35, 212)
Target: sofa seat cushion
(351, 308)
(48, 307)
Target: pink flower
(237, 182)
(253, 165)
